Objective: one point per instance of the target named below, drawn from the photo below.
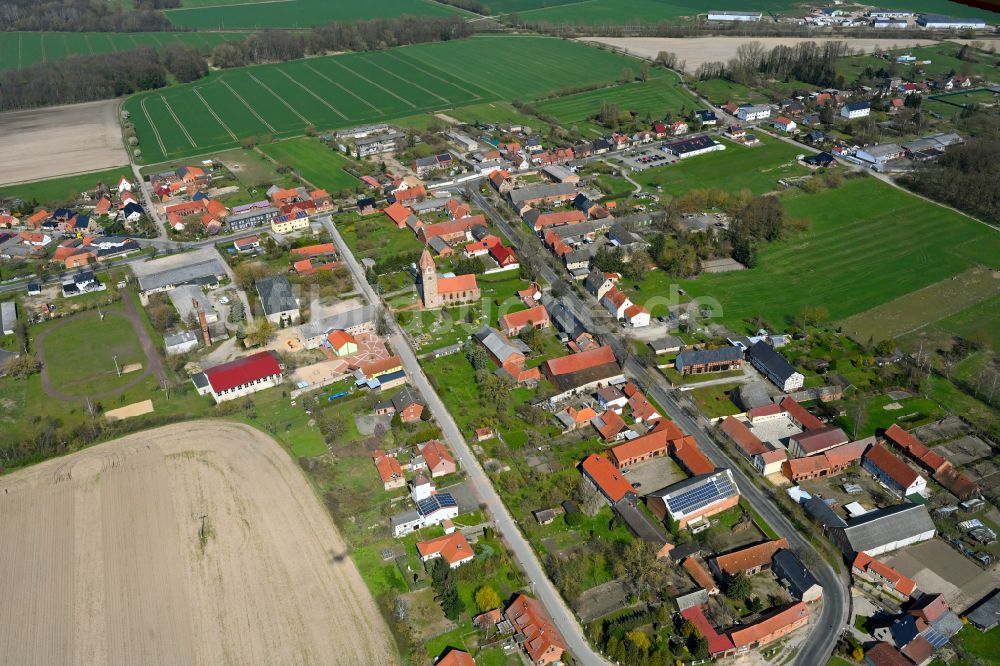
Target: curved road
(826, 628)
(541, 586)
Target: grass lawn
(867, 244)
(658, 96)
(677, 379)
(754, 168)
(314, 161)
(80, 354)
(713, 402)
(722, 91)
(981, 645)
(949, 396)
(491, 112)
(377, 237)
(838, 661)
(980, 322)
(912, 412)
(759, 520)
(57, 191)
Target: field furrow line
(90, 47)
(430, 74)
(415, 85)
(249, 108)
(203, 40)
(41, 42)
(280, 99)
(345, 89)
(66, 45)
(155, 39)
(322, 101)
(177, 120)
(111, 42)
(152, 125)
(20, 49)
(131, 38)
(383, 88)
(215, 115)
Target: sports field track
(21, 49)
(283, 99)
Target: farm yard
(866, 244)
(214, 15)
(660, 95)
(282, 100)
(22, 49)
(155, 535)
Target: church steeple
(428, 280)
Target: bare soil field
(937, 566)
(60, 141)
(196, 543)
(698, 50)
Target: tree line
(370, 35)
(806, 61)
(964, 177)
(84, 16)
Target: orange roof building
(875, 571)
(746, 442)
(438, 458)
(542, 641)
(452, 548)
(685, 450)
(915, 449)
(398, 213)
(606, 478)
(610, 425)
(582, 370)
(389, 470)
(456, 658)
(749, 560)
(699, 575)
(515, 322)
(800, 415)
(36, 220)
(771, 628)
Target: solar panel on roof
(935, 637)
(707, 493)
(435, 502)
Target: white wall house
(239, 378)
(754, 112)
(853, 110)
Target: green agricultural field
(282, 100)
(211, 15)
(314, 161)
(867, 244)
(21, 49)
(756, 168)
(943, 59)
(980, 323)
(62, 190)
(659, 96)
(722, 91)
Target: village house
(878, 573)
(699, 361)
(695, 499)
(813, 442)
(750, 560)
(582, 371)
(407, 403)
(452, 548)
(437, 458)
(445, 291)
(606, 478)
(893, 473)
(535, 632)
(389, 470)
(512, 324)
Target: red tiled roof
(766, 410)
(866, 562)
(690, 456)
(766, 627)
(915, 448)
(885, 654)
(398, 213)
(450, 227)
(559, 219)
(340, 338)
(846, 454)
(410, 193)
(894, 468)
(530, 619)
(452, 548)
(388, 467)
(747, 442)
(532, 316)
(242, 371)
(592, 358)
(313, 250)
(699, 575)
(749, 558)
(606, 476)
(434, 452)
(782, 120)
(502, 254)
(956, 482)
(456, 658)
(457, 283)
(801, 414)
(616, 297)
(382, 366)
(930, 607)
(821, 439)
(652, 442)
(610, 424)
(187, 208)
(717, 643)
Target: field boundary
(412, 83)
(215, 115)
(152, 125)
(426, 70)
(382, 88)
(279, 98)
(322, 101)
(345, 89)
(244, 102)
(177, 120)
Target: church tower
(428, 280)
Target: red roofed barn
(241, 377)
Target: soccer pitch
(339, 91)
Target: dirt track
(698, 50)
(104, 559)
(60, 140)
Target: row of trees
(964, 177)
(82, 16)
(806, 61)
(370, 35)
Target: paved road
(826, 628)
(541, 586)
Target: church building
(438, 292)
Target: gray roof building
(801, 584)
(884, 530)
(538, 192)
(564, 319)
(8, 317)
(772, 364)
(821, 512)
(202, 272)
(498, 345)
(179, 341)
(666, 344)
(705, 356)
(985, 614)
(276, 297)
(343, 321)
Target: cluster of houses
(881, 156)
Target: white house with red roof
(241, 377)
(124, 185)
(617, 302)
(452, 548)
